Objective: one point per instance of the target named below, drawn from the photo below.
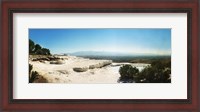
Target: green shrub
(32, 74)
(37, 49)
(30, 68)
(31, 46)
(33, 77)
(156, 73)
(128, 73)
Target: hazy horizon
(107, 53)
(112, 40)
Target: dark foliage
(30, 68)
(46, 51)
(37, 49)
(33, 77)
(128, 73)
(151, 74)
(158, 72)
(32, 74)
(31, 46)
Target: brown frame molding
(12, 6)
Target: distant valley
(120, 57)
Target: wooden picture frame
(191, 7)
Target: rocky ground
(76, 70)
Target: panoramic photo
(100, 55)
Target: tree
(39, 52)
(156, 73)
(157, 64)
(46, 51)
(128, 73)
(147, 75)
(37, 49)
(30, 68)
(32, 74)
(31, 46)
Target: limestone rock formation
(57, 62)
(80, 69)
(99, 65)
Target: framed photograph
(100, 55)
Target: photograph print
(100, 55)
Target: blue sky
(133, 41)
